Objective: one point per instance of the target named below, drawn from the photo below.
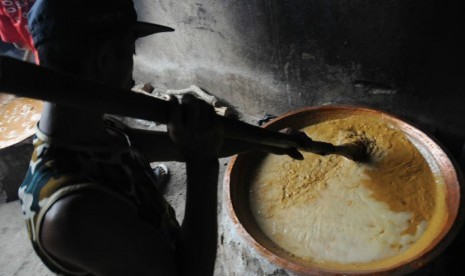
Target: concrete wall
(405, 57)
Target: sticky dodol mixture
(336, 212)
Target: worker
(91, 203)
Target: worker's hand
(193, 126)
(291, 152)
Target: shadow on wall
(413, 48)
(397, 43)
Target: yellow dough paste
(336, 213)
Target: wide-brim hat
(142, 29)
(50, 19)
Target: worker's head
(92, 38)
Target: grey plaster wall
(262, 56)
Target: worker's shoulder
(88, 204)
(101, 232)
(75, 219)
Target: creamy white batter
(342, 224)
(320, 210)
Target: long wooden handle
(28, 80)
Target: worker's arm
(157, 146)
(195, 131)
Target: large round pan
(236, 189)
